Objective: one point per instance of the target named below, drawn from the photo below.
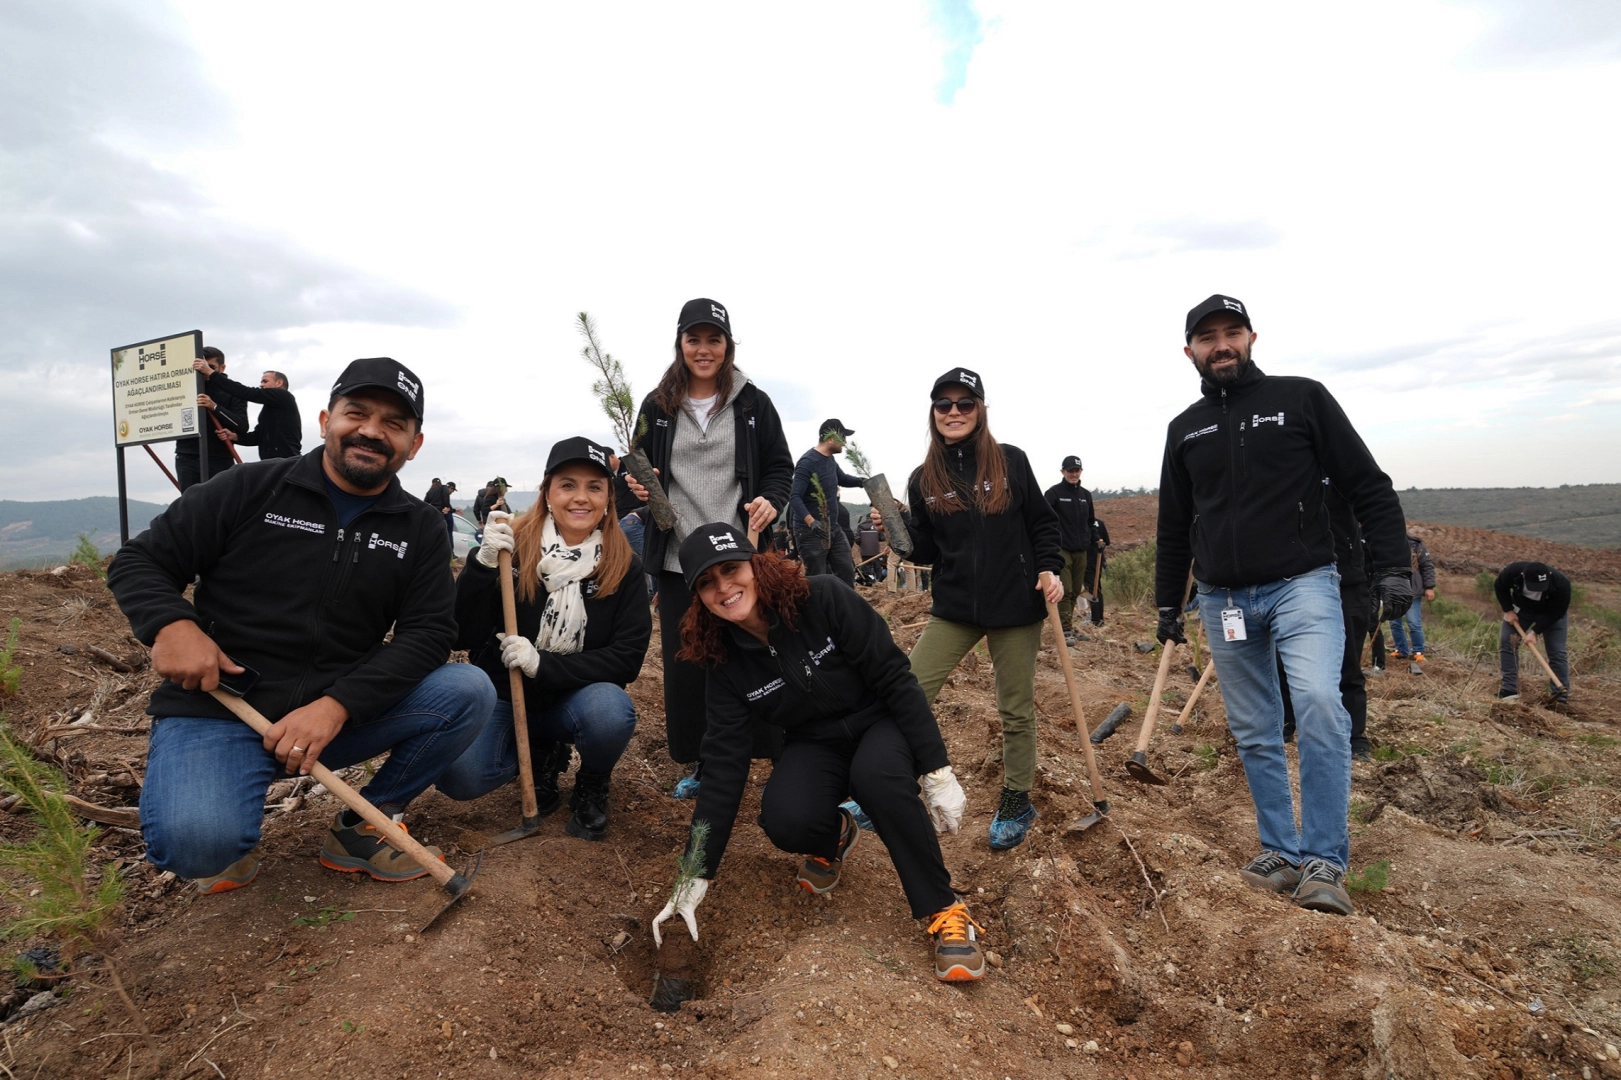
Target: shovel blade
(1137, 768)
(456, 888)
(529, 826)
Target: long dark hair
(779, 584)
(671, 391)
(990, 487)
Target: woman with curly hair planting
(583, 628)
(979, 517)
(717, 444)
(814, 658)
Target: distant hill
(1585, 514)
(45, 533)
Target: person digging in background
(1097, 564)
(979, 518)
(813, 503)
(1412, 622)
(1535, 599)
(320, 576)
(583, 629)
(810, 656)
(716, 441)
(1242, 502)
(1072, 505)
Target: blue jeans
(1414, 619)
(598, 719)
(635, 529)
(206, 778)
(1299, 621)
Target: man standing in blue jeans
(1423, 575)
(324, 597)
(1242, 501)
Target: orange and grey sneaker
(355, 847)
(234, 876)
(820, 875)
(1418, 658)
(957, 955)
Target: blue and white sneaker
(687, 786)
(1013, 819)
(853, 808)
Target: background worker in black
(329, 586)
(811, 657)
(233, 417)
(814, 508)
(1097, 564)
(279, 431)
(1535, 599)
(1073, 506)
(438, 497)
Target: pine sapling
(858, 460)
(691, 864)
(619, 403)
(821, 504)
(877, 488)
(87, 554)
(10, 673)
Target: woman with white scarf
(582, 634)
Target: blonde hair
(528, 532)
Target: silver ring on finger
(298, 749)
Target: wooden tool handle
(1209, 668)
(1147, 732)
(354, 800)
(1545, 666)
(1092, 775)
(520, 712)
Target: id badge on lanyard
(1232, 624)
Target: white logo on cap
(597, 455)
(1232, 305)
(968, 379)
(717, 311)
(407, 387)
(723, 542)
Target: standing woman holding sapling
(979, 517)
(812, 657)
(583, 628)
(717, 444)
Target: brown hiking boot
(1322, 888)
(820, 875)
(957, 955)
(357, 848)
(238, 874)
(1272, 872)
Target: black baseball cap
(385, 373)
(1534, 582)
(579, 448)
(834, 425)
(1211, 306)
(961, 376)
(700, 311)
(1071, 462)
(714, 543)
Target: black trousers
(188, 473)
(684, 717)
(1093, 573)
(1356, 607)
(799, 806)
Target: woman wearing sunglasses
(812, 657)
(979, 517)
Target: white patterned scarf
(561, 569)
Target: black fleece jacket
(1535, 615)
(763, 462)
(835, 674)
(1243, 486)
(1072, 504)
(287, 592)
(986, 565)
(232, 412)
(617, 630)
(280, 430)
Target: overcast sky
(1417, 200)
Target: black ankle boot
(548, 759)
(590, 805)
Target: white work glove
(943, 797)
(519, 652)
(692, 895)
(497, 538)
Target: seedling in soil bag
(877, 488)
(679, 957)
(613, 391)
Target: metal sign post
(155, 400)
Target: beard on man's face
(1230, 375)
(364, 476)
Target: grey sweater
(707, 487)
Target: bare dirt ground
(1128, 950)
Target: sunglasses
(965, 405)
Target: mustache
(377, 446)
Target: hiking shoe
(1377, 671)
(548, 759)
(687, 786)
(1508, 695)
(819, 875)
(590, 805)
(1014, 816)
(234, 876)
(1361, 750)
(1322, 888)
(957, 955)
(1401, 656)
(1418, 658)
(854, 808)
(1272, 872)
(353, 846)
